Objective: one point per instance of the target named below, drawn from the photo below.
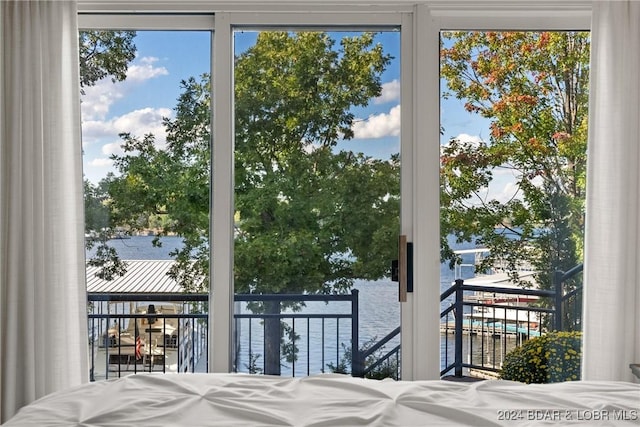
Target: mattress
(330, 400)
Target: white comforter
(330, 400)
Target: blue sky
(164, 58)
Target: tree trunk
(272, 335)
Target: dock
(492, 329)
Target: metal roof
(142, 276)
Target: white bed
(330, 400)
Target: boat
(499, 313)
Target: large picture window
(271, 171)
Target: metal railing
(317, 334)
(488, 321)
(385, 365)
(131, 333)
(324, 340)
(568, 286)
(126, 337)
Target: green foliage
(310, 218)
(96, 210)
(553, 357)
(387, 369)
(252, 366)
(533, 87)
(105, 53)
(98, 231)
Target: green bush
(387, 369)
(553, 357)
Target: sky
(165, 58)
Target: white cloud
(378, 125)
(508, 192)
(143, 121)
(537, 181)
(137, 122)
(390, 92)
(503, 187)
(94, 130)
(113, 148)
(100, 163)
(98, 99)
(145, 70)
(310, 147)
(474, 139)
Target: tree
(98, 230)
(533, 88)
(104, 54)
(293, 190)
(96, 212)
(309, 217)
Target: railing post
(357, 364)
(458, 320)
(557, 282)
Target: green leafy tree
(98, 230)
(105, 54)
(533, 88)
(309, 217)
(96, 212)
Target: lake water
(378, 302)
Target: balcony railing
(322, 332)
(131, 333)
(316, 332)
(483, 323)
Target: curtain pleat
(43, 344)
(612, 255)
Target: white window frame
(421, 23)
(124, 20)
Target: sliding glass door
(317, 200)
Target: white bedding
(330, 400)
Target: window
(513, 175)
(146, 126)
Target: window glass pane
(316, 199)
(146, 142)
(513, 177)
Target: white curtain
(612, 251)
(43, 337)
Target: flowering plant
(553, 357)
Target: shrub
(387, 369)
(553, 357)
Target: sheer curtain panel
(43, 339)
(612, 255)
